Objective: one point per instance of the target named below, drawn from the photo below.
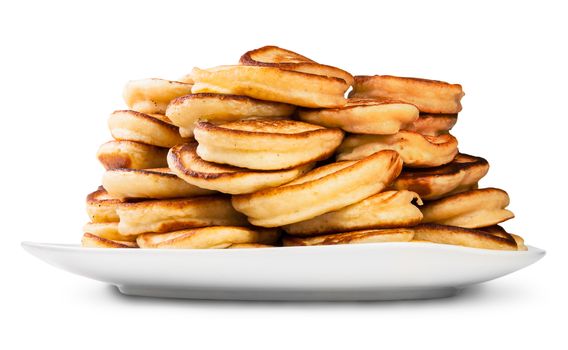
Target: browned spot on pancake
(461, 162)
(114, 161)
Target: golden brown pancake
(273, 56)
(91, 241)
(364, 116)
(355, 237)
(208, 238)
(187, 110)
(107, 230)
(149, 183)
(433, 124)
(470, 209)
(430, 96)
(101, 207)
(272, 84)
(144, 128)
(322, 190)
(186, 164)
(466, 237)
(153, 95)
(265, 144)
(415, 150)
(383, 210)
(129, 154)
(169, 215)
(461, 174)
(500, 232)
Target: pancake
(272, 84)
(107, 230)
(383, 210)
(187, 110)
(265, 144)
(414, 149)
(433, 124)
(130, 154)
(153, 95)
(429, 96)
(273, 56)
(466, 237)
(101, 207)
(470, 209)
(169, 215)
(364, 116)
(207, 238)
(144, 128)
(92, 241)
(249, 245)
(186, 164)
(497, 230)
(148, 183)
(461, 174)
(322, 190)
(355, 237)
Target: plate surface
(375, 271)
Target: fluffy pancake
(461, 174)
(273, 56)
(92, 241)
(383, 210)
(355, 237)
(272, 84)
(107, 230)
(101, 207)
(186, 164)
(144, 128)
(265, 144)
(153, 95)
(415, 150)
(430, 96)
(433, 124)
(148, 183)
(130, 154)
(207, 238)
(177, 214)
(328, 188)
(470, 209)
(187, 110)
(364, 116)
(466, 237)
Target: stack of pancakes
(270, 152)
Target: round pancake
(92, 241)
(168, 215)
(415, 150)
(466, 237)
(249, 245)
(153, 95)
(107, 230)
(430, 96)
(101, 207)
(328, 188)
(207, 238)
(364, 116)
(470, 209)
(186, 164)
(272, 84)
(265, 144)
(355, 237)
(187, 110)
(383, 210)
(461, 174)
(129, 154)
(433, 124)
(273, 56)
(144, 128)
(148, 183)
(497, 230)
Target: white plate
(376, 271)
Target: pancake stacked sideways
(274, 151)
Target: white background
(62, 72)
